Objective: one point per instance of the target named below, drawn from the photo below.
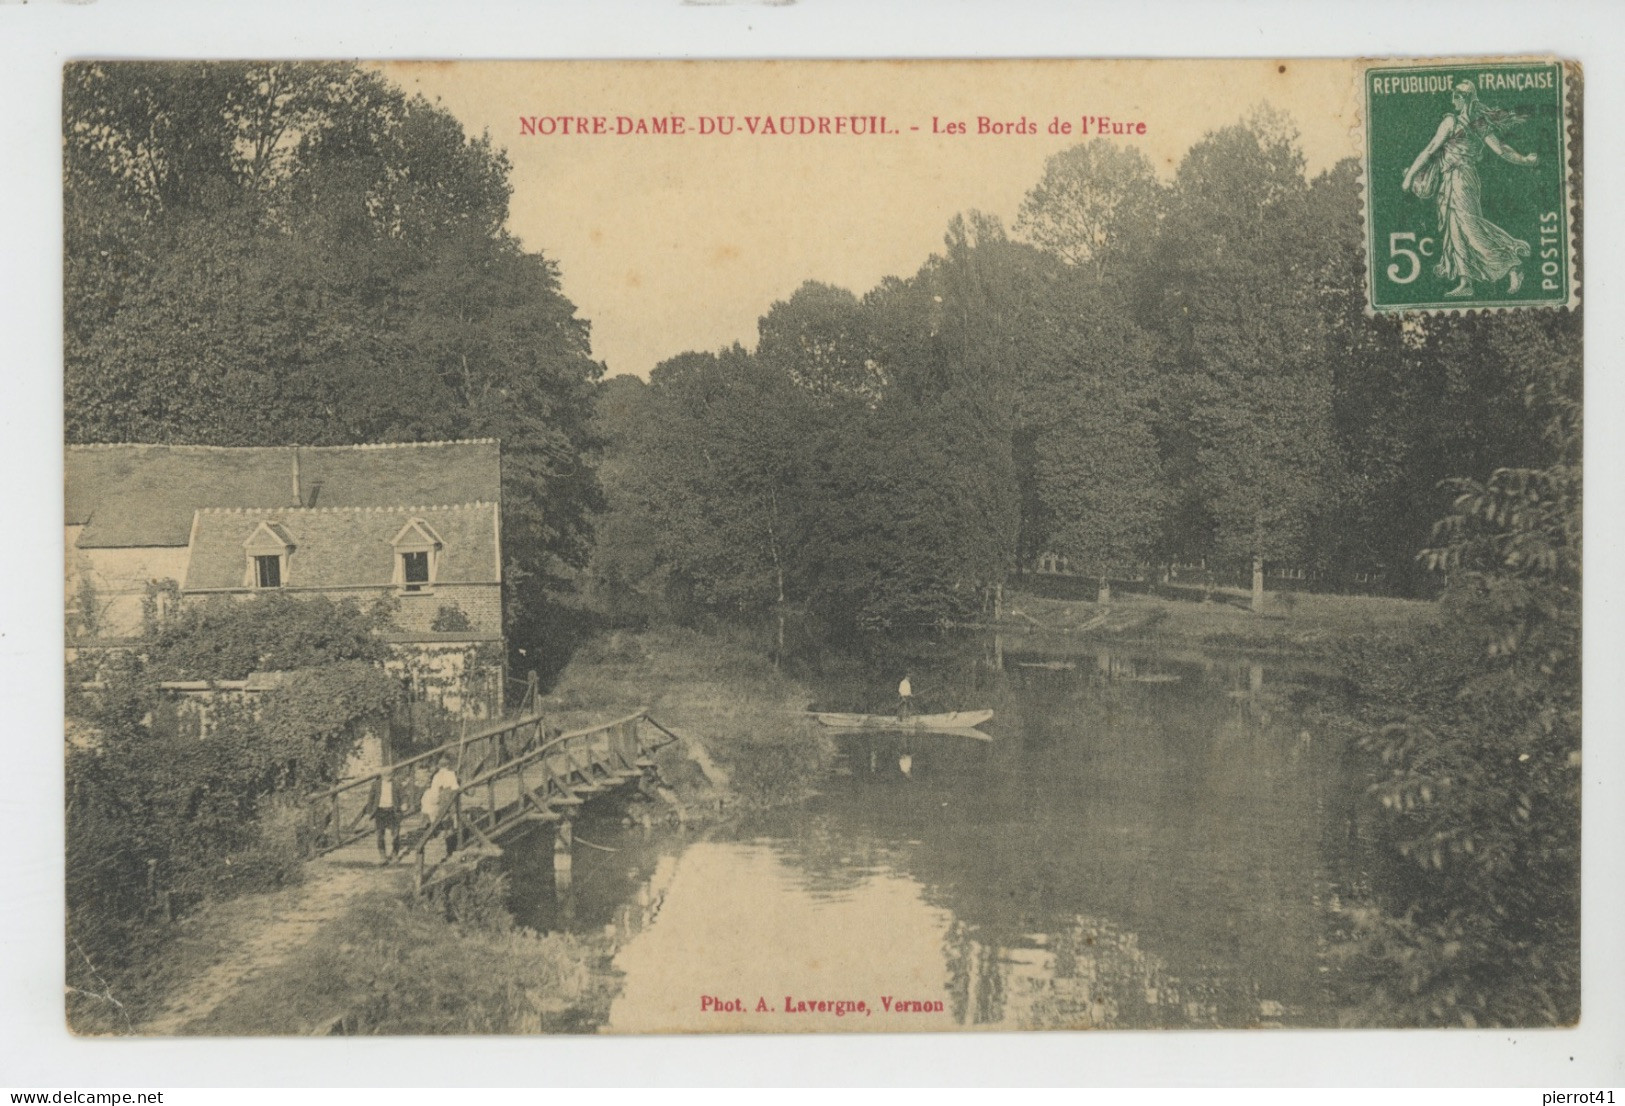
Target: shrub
(274, 857)
(315, 719)
(226, 639)
(479, 904)
(160, 816)
(450, 619)
(1472, 728)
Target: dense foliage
(1162, 373)
(1173, 372)
(166, 807)
(867, 480)
(1472, 728)
(226, 639)
(300, 253)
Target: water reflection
(1143, 844)
(743, 943)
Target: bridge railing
(343, 810)
(541, 784)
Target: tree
(1382, 413)
(718, 473)
(1238, 309)
(819, 338)
(1417, 401)
(955, 343)
(860, 462)
(1095, 203)
(624, 577)
(300, 253)
(1264, 448)
(899, 537)
(510, 359)
(1098, 471)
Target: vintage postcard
(821, 547)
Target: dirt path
(272, 928)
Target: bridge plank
(497, 797)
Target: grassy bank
(394, 964)
(1299, 624)
(744, 739)
(168, 958)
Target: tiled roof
(145, 495)
(396, 475)
(344, 547)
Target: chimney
(298, 487)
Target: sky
(668, 243)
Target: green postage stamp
(1467, 195)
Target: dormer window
(417, 555)
(267, 571)
(415, 570)
(267, 549)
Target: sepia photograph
(821, 547)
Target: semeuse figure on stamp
(1471, 248)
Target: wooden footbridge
(511, 775)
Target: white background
(36, 1051)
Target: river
(1150, 839)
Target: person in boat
(905, 699)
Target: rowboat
(953, 720)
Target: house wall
(117, 580)
(482, 603)
(463, 678)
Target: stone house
(420, 522)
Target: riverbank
(744, 741)
(1301, 625)
(350, 950)
(192, 965)
(395, 964)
